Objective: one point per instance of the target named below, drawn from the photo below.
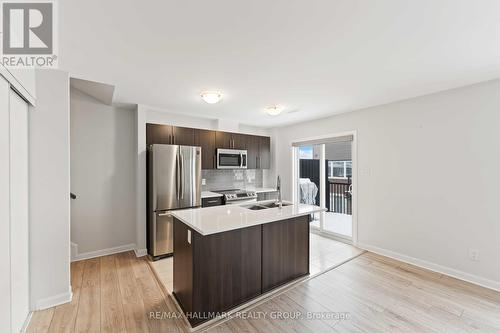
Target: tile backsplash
(231, 179)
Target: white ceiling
(315, 57)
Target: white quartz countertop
(212, 220)
(208, 194)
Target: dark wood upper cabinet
(206, 140)
(253, 142)
(239, 141)
(264, 153)
(227, 140)
(160, 134)
(183, 136)
(224, 140)
(258, 147)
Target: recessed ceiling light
(211, 97)
(274, 110)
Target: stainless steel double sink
(266, 205)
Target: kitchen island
(225, 256)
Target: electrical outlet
(474, 254)
(203, 181)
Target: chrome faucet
(278, 188)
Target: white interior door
(19, 234)
(5, 314)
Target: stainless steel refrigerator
(174, 182)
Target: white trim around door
(295, 170)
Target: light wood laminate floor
(324, 253)
(372, 293)
(114, 293)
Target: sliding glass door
(338, 178)
(323, 177)
(309, 178)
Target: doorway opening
(324, 175)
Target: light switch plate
(203, 181)
(189, 236)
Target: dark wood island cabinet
(218, 272)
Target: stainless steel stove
(237, 196)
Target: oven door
(230, 159)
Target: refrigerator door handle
(164, 214)
(182, 176)
(177, 175)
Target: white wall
(102, 176)
(428, 178)
(5, 278)
(19, 222)
(49, 190)
(147, 114)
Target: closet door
(19, 236)
(4, 208)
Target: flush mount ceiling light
(274, 110)
(211, 97)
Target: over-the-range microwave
(231, 159)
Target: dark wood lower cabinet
(285, 251)
(210, 202)
(226, 269)
(215, 273)
(183, 262)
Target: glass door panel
(338, 160)
(309, 178)
(323, 177)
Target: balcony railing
(339, 196)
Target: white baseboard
(53, 301)
(26, 322)
(464, 276)
(140, 252)
(103, 252)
